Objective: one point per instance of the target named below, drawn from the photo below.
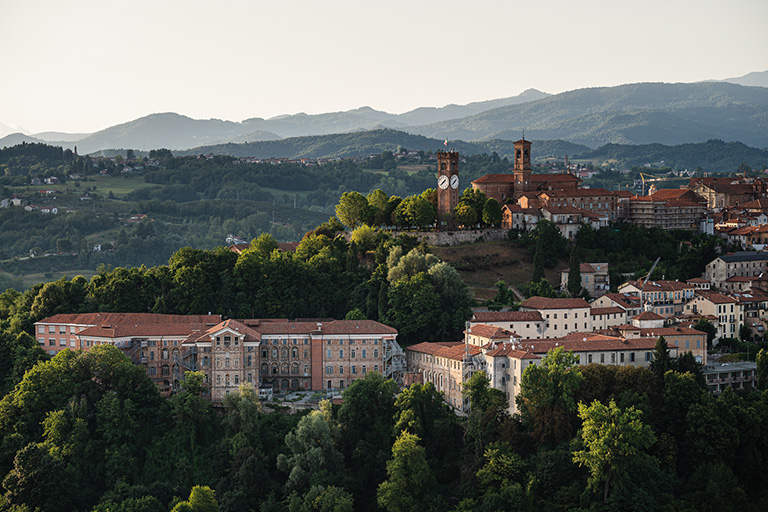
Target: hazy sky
(80, 66)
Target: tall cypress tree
(574, 274)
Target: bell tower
(447, 187)
(522, 170)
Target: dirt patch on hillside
(482, 264)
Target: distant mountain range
(643, 113)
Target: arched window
(274, 352)
(226, 380)
(264, 369)
(264, 353)
(284, 368)
(166, 370)
(250, 360)
(284, 353)
(284, 383)
(175, 355)
(295, 368)
(274, 368)
(295, 352)
(226, 360)
(294, 383)
(165, 353)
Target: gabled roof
(453, 351)
(607, 311)
(507, 316)
(648, 315)
(495, 178)
(128, 318)
(548, 303)
(490, 331)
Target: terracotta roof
(589, 342)
(697, 280)
(760, 203)
(739, 279)
(455, 351)
(648, 315)
(507, 316)
(141, 330)
(715, 297)
(496, 178)
(128, 318)
(547, 303)
(357, 327)
(239, 248)
(250, 334)
(553, 177)
(624, 193)
(490, 331)
(624, 300)
(510, 350)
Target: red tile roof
(548, 303)
(455, 351)
(507, 316)
(128, 318)
(490, 331)
(648, 315)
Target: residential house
(561, 316)
(728, 311)
(594, 278)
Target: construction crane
(653, 267)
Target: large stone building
(281, 354)
(667, 209)
(509, 187)
(724, 192)
(749, 264)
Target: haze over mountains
(628, 114)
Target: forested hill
(626, 114)
(369, 142)
(713, 155)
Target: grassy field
(102, 185)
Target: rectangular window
(341, 352)
(613, 357)
(52, 342)
(51, 328)
(341, 370)
(589, 358)
(364, 370)
(41, 328)
(250, 378)
(329, 370)
(353, 353)
(647, 356)
(602, 358)
(621, 357)
(375, 352)
(354, 370)
(328, 354)
(364, 355)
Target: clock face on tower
(442, 182)
(454, 181)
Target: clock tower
(447, 187)
(522, 170)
